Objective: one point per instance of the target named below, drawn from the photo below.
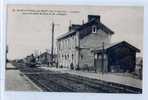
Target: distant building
(139, 61)
(45, 58)
(30, 59)
(139, 66)
(89, 45)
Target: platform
(109, 77)
(16, 81)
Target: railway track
(104, 86)
(58, 84)
(63, 82)
(72, 83)
(48, 84)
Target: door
(98, 62)
(101, 64)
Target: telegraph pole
(6, 55)
(52, 41)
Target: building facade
(74, 48)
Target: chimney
(74, 27)
(70, 28)
(92, 17)
(82, 21)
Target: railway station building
(79, 48)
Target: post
(82, 21)
(78, 51)
(52, 45)
(95, 59)
(102, 58)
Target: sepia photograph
(74, 48)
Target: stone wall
(89, 43)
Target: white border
(71, 96)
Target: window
(63, 44)
(105, 56)
(68, 43)
(75, 40)
(94, 29)
(96, 56)
(65, 57)
(59, 46)
(81, 57)
(72, 37)
(72, 56)
(100, 56)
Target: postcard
(74, 48)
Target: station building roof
(92, 20)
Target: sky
(29, 26)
